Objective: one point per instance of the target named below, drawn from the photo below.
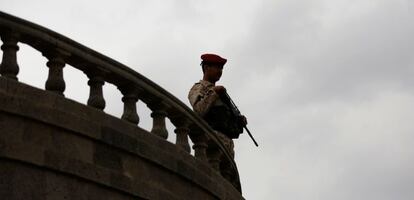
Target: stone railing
(60, 50)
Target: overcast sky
(327, 85)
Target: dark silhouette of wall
(55, 148)
(52, 147)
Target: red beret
(213, 58)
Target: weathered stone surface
(22, 181)
(116, 138)
(47, 152)
(61, 149)
(19, 182)
(106, 157)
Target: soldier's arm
(201, 100)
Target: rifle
(237, 113)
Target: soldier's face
(215, 72)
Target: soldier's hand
(244, 120)
(219, 89)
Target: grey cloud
(342, 56)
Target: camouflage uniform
(202, 97)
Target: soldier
(205, 99)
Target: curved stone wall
(61, 51)
(55, 148)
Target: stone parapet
(52, 147)
(61, 51)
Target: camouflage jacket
(207, 103)
(202, 97)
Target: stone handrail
(60, 50)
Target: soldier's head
(212, 66)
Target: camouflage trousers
(228, 143)
(224, 164)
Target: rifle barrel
(251, 136)
(238, 112)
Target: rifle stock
(237, 112)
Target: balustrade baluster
(182, 138)
(130, 100)
(9, 67)
(158, 125)
(214, 156)
(55, 81)
(200, 145)
(96, 99)
(182, 132)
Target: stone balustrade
(61, 51)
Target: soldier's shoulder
(197, 85)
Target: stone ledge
(27, 102)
